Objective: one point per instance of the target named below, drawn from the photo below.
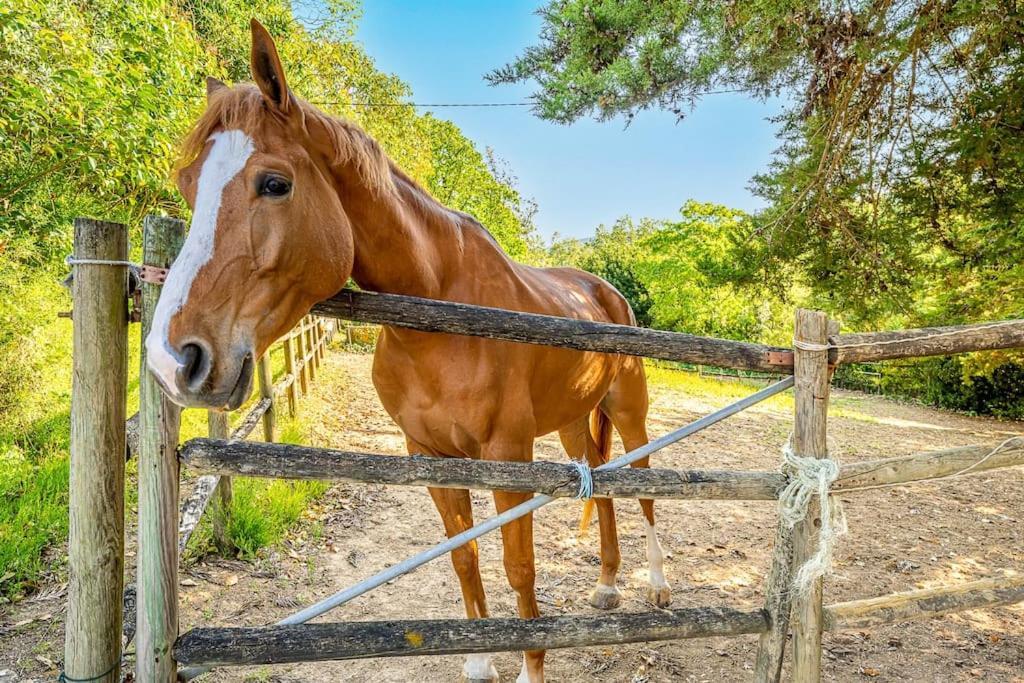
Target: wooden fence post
(289, 368)
(217, 421)
(300, 341)
(310, 348)
(266, 383)
(811, 372)
(771, 647)
(314, 345)
(159, 420)
(92, 645)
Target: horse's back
(451, 392)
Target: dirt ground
(717, 553)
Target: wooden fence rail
(287, 461)
(429, 315)
(359, 640)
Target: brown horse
(287, 204)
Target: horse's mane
(242, 107)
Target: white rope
(586, 491)
(811, 477)
(72, 261)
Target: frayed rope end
(811, 477)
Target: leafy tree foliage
(679, 275)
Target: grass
(34, 474)
(719, 392)
(262, 510)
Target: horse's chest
(442, 398)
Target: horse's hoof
(660, 596)
(605, 597)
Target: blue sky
(584, 174)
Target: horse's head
(268, 239)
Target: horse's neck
(408, 243)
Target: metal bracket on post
(782, 358)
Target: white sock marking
(655, 558)
(524, 674)
(480, 667)
(228, 156)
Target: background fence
(98, 435)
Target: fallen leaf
(870, 671)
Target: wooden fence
(818, 348)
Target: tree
(679, 274)
(898, 188)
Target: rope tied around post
(812, 477)
(140, 271)
(586, 490)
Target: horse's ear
(267, 70)
(213, 86)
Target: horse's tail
(599, 441)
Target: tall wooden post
(811, 372)
(293, 385)
(92, 644)
(771, 647)
(266, 384)
(159, 419)
(217, 422)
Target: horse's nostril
(195, 369)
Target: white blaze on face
(227, 157)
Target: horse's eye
(274, 186)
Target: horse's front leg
(517, 541)
(456, 508)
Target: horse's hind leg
(456, 510)
(579, 443)
(626, 405)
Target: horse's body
(297, 214)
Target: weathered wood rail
(359, 640)
(209, 647)
(429, 315)
(288, 461)
(94, 615)
(555, 479)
